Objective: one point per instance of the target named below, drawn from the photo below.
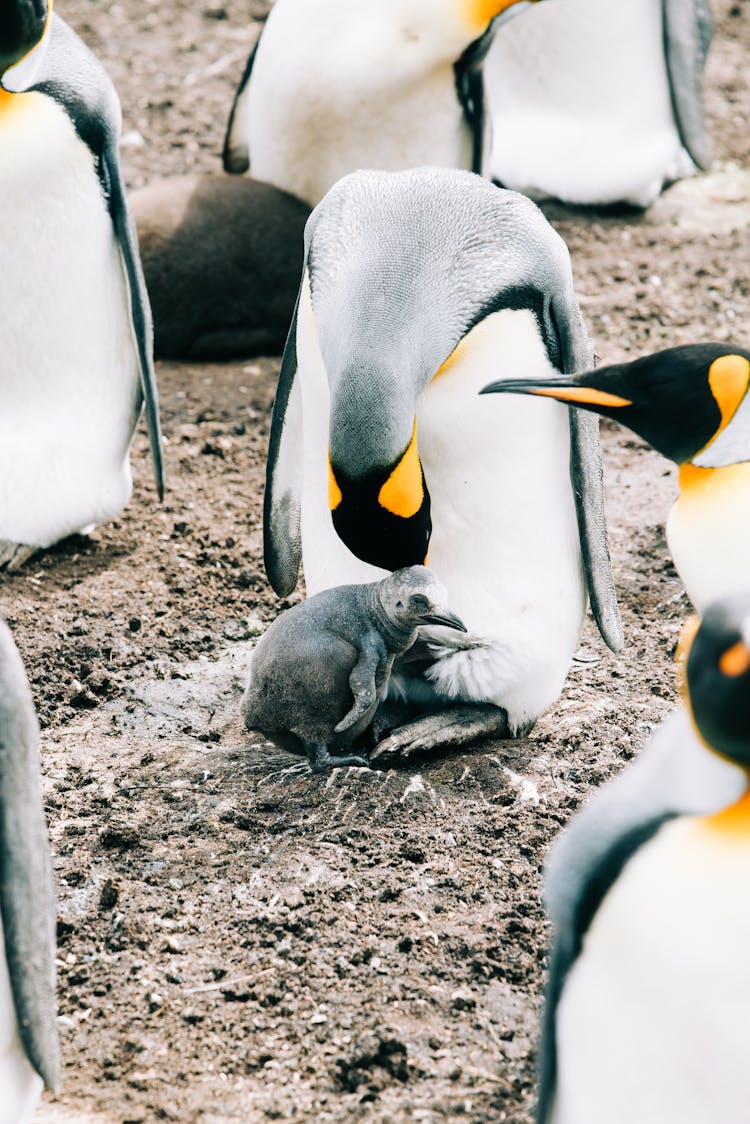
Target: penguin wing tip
(236, 160)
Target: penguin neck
(395, 635)
(735, 820)
(7, 100)
(695, 480)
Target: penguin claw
(13, 555)
(454, 726)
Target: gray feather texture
(688, 29)
(27, 899)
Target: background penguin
(648, 1004)
(76, 330)
(336, 85)
(29, 1049)
(222, 259)
(599, 101)
(321, 670)
(692, 404)
(416, 285)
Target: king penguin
(336, 85)
(647, 1015)
(416, 285)
(29, 1050)
(75, 354)
(692, 404)
(598, 101)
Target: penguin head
(413, 597)
(22, 26)
(717, 678)
(681, 400)
(402, 267)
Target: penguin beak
(563, 390)
(449, 620)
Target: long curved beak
(449, 620)
(562, 389)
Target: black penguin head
(413, 596)
(22, 24)
(383, 515)
(679, 400)
(718, 678)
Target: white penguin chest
(68, 368)
(580, 103)
(20, 1085)
(708, 532)
(325, 101)
(654, 1020)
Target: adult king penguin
(599, 101)
(416, 285)
(692, 404)
(75, 340)
(648, 1004)
(337, 85)
(28, 1017)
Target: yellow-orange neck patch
(728, 378)
(734, 820)
(480, 12)
(735, 661)
(403, 492)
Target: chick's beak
(449, 620)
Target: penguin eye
(418, 603)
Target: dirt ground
(241, 944)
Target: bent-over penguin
(321, 670)
(598, 101)
(29, 1050)
(336, 85)
(648, 1002)
(692, 404)
(416, 286)
(75, 354)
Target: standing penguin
(692, 404)
(336, 85)
(416, 285)
(75, 354)
(599, 101)
(648, 1003)
(29, 1050)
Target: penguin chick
(321, 670)
(647, 1015)
(336, 85)
(692, 404)
(75, 337)
(29, 1048)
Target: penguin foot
(320, 760)
(454, 726)
(14, 554)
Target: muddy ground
(241, 944)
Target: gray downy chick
(322, 668)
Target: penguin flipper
(27, 898)
(469, 81)
(587, 476)
(236, 152)
(282, 542)
(140, 309)
(688, 28)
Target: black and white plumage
(648, 1004)
(75, 340)
(416, 286)
(29, 1051)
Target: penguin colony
(433, 308)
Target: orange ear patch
(735, 661)
(334, 492)
(403, 493)
(728, 378)
(586, 395)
